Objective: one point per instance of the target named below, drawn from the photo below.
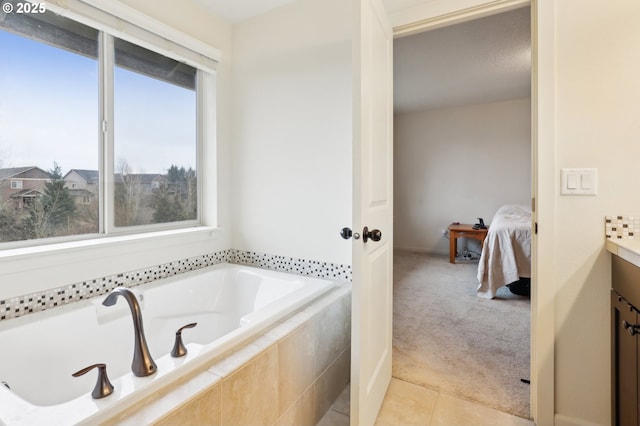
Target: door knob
(374, 234)
(346, 234)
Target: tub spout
(142, 364)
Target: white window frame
(16, 184)
(117, 20)
(107, 215)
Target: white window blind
(131, 25)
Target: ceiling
(479, 61)
(239, 10)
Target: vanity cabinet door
(625, 357)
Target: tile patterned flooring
(409, 404)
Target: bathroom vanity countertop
(627, 249)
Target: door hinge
(535, 228)
(104, 126)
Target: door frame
(542, 172)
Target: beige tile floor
(409, 404)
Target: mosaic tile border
(622, 227)
(306, 267)
(31, 303)
(36, 302)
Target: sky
(49, 113)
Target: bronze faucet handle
(103, 385)
(178, 347)
(191, 325)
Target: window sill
(35, 269)
(197, 232)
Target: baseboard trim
(561, 420)
(422, 250)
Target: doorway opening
(462, 150)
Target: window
(49, 104)
(155, 137)
(108, 142)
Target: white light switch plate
(579, 181)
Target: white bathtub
(38, 352)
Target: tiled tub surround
(18, 306)
(290, 375)
(327, 333)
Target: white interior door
(372, 208)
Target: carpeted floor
(448, 339)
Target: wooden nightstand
(463, 230)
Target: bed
(506, 253)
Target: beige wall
(597, 126)
(292, 131)
(458, 164)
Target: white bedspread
(506, 254)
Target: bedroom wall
(458, 164)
